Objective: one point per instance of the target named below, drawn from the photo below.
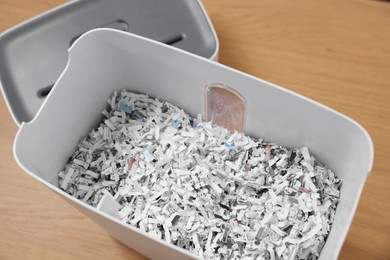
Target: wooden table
(335, 52)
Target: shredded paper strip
(217, 194)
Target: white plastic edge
(214, 56)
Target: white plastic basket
(105, 60)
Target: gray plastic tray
(33, 54)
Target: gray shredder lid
(33, 54)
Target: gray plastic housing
(34, 54)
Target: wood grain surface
(336, 52)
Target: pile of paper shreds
(218, 194)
